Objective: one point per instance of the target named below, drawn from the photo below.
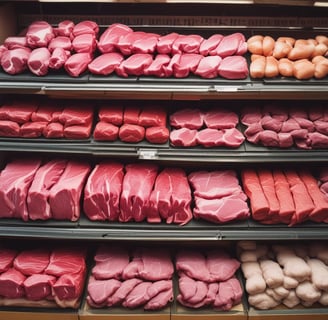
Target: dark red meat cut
(109, 39)
(7, 257)
(76, 114)
(64, 196)
(105, 131)
(187, 64)
(32, 261)
(151, 116)
(157, 135)
(183, 137)
(60, 42)
(77, 63)
(78, 131)
(39, 286)
(18, 111)
(111, 113)
(187, 44)
(15, 42)
(64, 28)
(45, 111)
(157, 67)
(233, 67)
(39, 34)
(131, 133)
(134, 65)
(165, 42)
(131, 114)
(15, 61)
(208, 67)
(32, 129)
(187, 118)
(102, 191)
(220, 119)
(58, 58)
(106, 63)
(209, 45)
(54, 130)
(84, 43)
(85, 27)
(38, 194)
(12, 284)
(9, 128)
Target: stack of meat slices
(208, 279)
(212, 128)
(42, 277)
(218, 196)
(131, 124)
(140, 280)
(49, 119)
(290, 197)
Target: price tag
(148, 154)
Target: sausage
(255, 44)
(286, 67)
(320, 67)
(303, 69)
(289, 40)
(257, 67)
(301, 51)
(268, 45)
(255, 56)
(271, 67)
(281, 49)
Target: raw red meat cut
(134, 65)
(9, 128)
(85, 27)
(7, 257)
(110, 37)
(209, 138)
(102, 191)
(15, 42)
(318, 140)
(165, 42)
(105, 131)
(232, 138)
(15, 180)
(3, 49)
(229, 294)
(208, 67)
(187, 288)
(187, 118)
(77, 131)
(137, 186)
(121, 293)
(126, 41)
(187, 44)
(138, 296)
(64, 28)
(251, 115)
(229, 44)
(157, 67)
(18, 111)
(15, 61)
(101, 290)
(106, 63)
(64, 196)
(269, 138)
(77, 63)
(270, 123)
(157, 135)
(168, 69)
(158, 287)
(220, 119)
(233, 67)
(38, 194)
(12, 284)
(39, 286)
(145, 44)
(38, 61)
(33, 261)
(151, 117)
(133, 269)
(187, 63)
(84, 43)
(290, 125)
(54, 130)
(39, 34)
(160, 300)
(210, 44)
(111, 113)
(76, 113)
(183, 137)
(32, 129)
(131, 133)
(60, 42)
(58, 58)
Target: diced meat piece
(157, 135)
(318, 140)
(78, 131)
(220, 119)
(131, 114)
(125, 42)
(160, 300)
(138, 296)
(32, 261)
(32, 129)
(100, 290)
(306, 124)
(15, 180)
(77, 63)
(12, 284)
(157, 67)
(102, 192)
(105, 131)
(111, 113)
(131, 133)
(221, 210)
(145, 44)
(15, 42)
(39, 286)
(183, 137)
(138, 183)
(210, 44)
(121, 293)
(58, 58)
(85, 27)
(233, 67)
(38, 194)
(290, 125)
(9, 128)
(106, 63)
(152, 116)
(187, 118)
(187, 44)
(39, 34)
(84, 43)
(64, 196)
(208, 67)
(134, 65)
(187, 63)
(321, 126)
(270, 123)
(7, 257)
(285, 140)
(54, 130)
(66, 261)
(259, 205)
(299, 134)
(251, 115)
(15, 61)
(269, 138)
(229, 45)
(209, 138)
(60, 42)
(164, 43)
(64, 28)
(19, 111)
(76, 114)
(110, 37)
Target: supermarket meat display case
(299, 19)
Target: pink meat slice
(229, 294)
(111, 113)
(168, 68)
(318, 140)
(131, 114)
(9, 128)
(187, 287)
(32, 129)
(187, 44)
(210, 44)
(183, 137)
(39, 286)
(131, 133)
(105, 131)
(215, 184)
(157, 135)
(121, 293)
(7, 258)
(220, 119)
(102, 191)
(232, 138)
(138, 183)
(229, 44)
(60, 42)
(15, 61)
(152, 116)
(160, 300)
(209, 138)
(213, 289)
(106, 63)
(64, 196)
(269, 138)
(250, 115)
(145, 44)
(39, 34)
(208, 67)
(18, 111)
(38, 195)
(15, 42)
(233, 67)
(64, 28)
(54, 130)
(101, 290)
(15, 180)
(134, 65)
(76, 114)
(159, 286)
(187, 64)
(285, 140)
(12, 284)
(85, 27)
(84, 43)
(133, 269)
(77, 63)
(157, 67)
(165, 42)
(125, 42)
(58, 58)
(191, 118)
(78, 131)
(138, 296)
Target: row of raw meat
(290, 274)
(42, 277)
(285, 126)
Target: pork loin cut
(39, 286)
(183, 137)
(145, 44)
(157, 135)
(152, 116)
(60, 42)
(77, 63)
(187, 44)
(138, 296)
(160, 300)
(78, 131)
(85, 27)
(209, 138)
(76, 114)
(208, 67)
(38, 61)
(187, 64)
(64, 28)
(19, 111)
(157, 67)
(210, 44)
(229, 44)
(9, 128)
(233, 67)
(58, 58)
(220, 119)
(54, 130)
(39, 34)
(187, 118)
(84, 43)
(15, 42)
(106, 63)
(131, 133)
(105, 131)
(121, 293)
(165, 42)
(15, 61)
(7, 259)
(111, 113)
(101, 290)
(12, 284)
(134, 65)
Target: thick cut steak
(18, 111)
(58, 58)
(38, 61)
(7, 257)
(39, 34)
(15, 61)
(187, 44)
(101, 290)
(77, 63)
(209, 45)
(85, 27)
(111, 114)
(12, 284)
(131, 133)
(76, 114)
(60, 42)
(164, 43)
(39, 286)
(106, 63)
(183, 137)
(157, 67)
(105, 131)
(84, 43)
(187, 118)
(208, 67)
(157, 135)
(64, 28)
(134, 65)
(220, 119)
(32, 129)
(121, 293)
(233, 67)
